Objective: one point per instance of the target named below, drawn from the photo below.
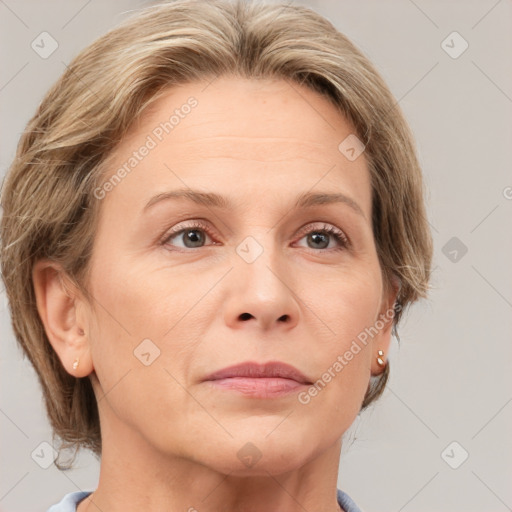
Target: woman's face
(184, 288)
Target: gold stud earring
(75, 364)
(380, 361)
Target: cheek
(144, 315)
(135, 340)
(138, 302)
(347, 306)
(346, 302)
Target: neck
(136, 475)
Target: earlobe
(381, 347)
(384, 324)
(57, 305)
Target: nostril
(245, 316)
(283, 318)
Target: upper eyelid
(195, 224)
(340, 232)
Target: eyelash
(330, 230)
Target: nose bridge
(259, 263)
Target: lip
(267, 380)
(252, 370)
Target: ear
(384, 324)
(62, 311)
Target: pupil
(193, 237)
(320, 238)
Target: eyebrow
(210, 199)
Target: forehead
(258, 110)
(238, 133)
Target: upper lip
(274, 369)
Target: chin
(259, 455)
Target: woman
(211, 229)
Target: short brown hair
(47, 197)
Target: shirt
(71, 500)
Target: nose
(261, 295)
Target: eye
(195, 236)
(321, 238)
(191, 237)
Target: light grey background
(450, 378)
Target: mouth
(267, 380)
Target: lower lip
(261, 387)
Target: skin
(170, 440)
